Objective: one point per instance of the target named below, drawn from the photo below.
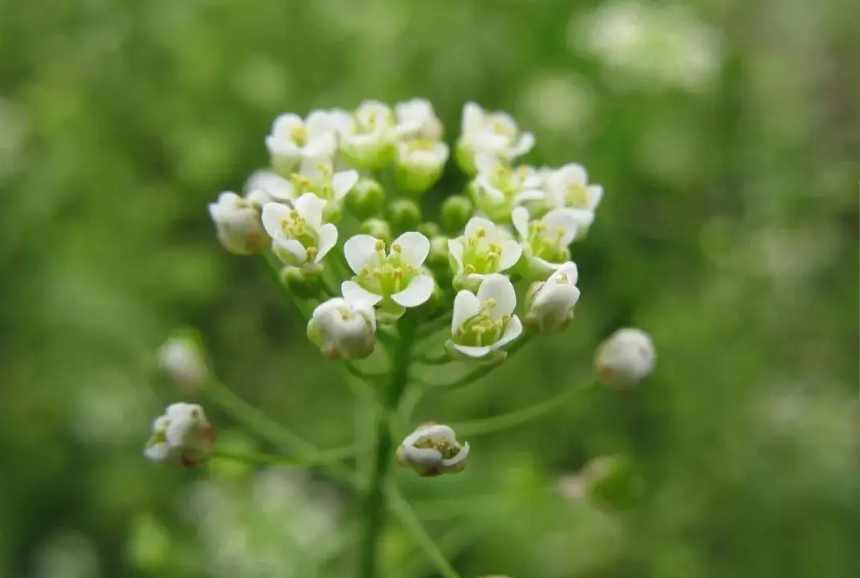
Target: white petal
(414, 248)
(476, 223)
(455, 249)
(513, 330)
(358, 296)
(358, 250)
(273, 214)
(543, 266)
(485, 163)
(293, 247)
(421, 456)
(462, 455)
(157, 452)
(530, 195)
(327, 240)
(581, 217)
(322, 145)
(471, 351)
(473, 118)
(561, 219)
(310, 207)
(524, 145)
(595, 195)
(466, 306)
(435, 430)
(416, 293)
(500, 289)
(511, 253)
(520, 220)
(570, 270)
(570, 174)
(343, 182)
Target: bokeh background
(726, 135)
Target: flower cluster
(514, 223)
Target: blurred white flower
(419, 163)
(432, 450)
(368, 140)
(484, 248)
(182, 358)
(498, 188)
(545, 240)
(292, 139)
(550, 303)
(68, 555)
(298, 234)
(626, 357)
(182, 437)
(495, 134)
(558, 102)
(394, 280)
(237, 222)
(483, 323)
(343, 330)
(317, 176)
(268, 186)
(567, 189)
(416, 119)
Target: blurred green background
(728, 147)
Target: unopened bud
(429, 229)
(303, 282)
(377, 228)
(181, 437)
(432, 450)
(625, 358)
(366, 199)
(456, 212)
(405, 215)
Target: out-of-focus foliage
(729, 232)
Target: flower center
(299, 135)
(386, 274)
(547, 244)
(444, 446)
(482, 329)
(295, 227)
(480, 255)
(576, 196)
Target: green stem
(519, 417)
(480, 372)
(321, 458)
(374, 499)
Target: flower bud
(182, 437)
(625, 357)
(549, 304)
(183, 359)
(438, 260)
(419, 164)
(456, 212)
(429, 229)
(612, 483)
(303, 282)
(237, 222)
(366, 199)
(343, 330)
(405, 215)
(377, 228)
(432, 450)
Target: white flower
(567, 188)
(181, 357)
(298, 234)
(419, 163)
(394, 280)
(317, 176)
(625, 357)
(416, 119)
(550, 303)
(545, 241)
(492, 133)
(483, 323)
(498, 188)
(368, 141)
(343, 330)
(237, 222)
(293, 139)
(268, 186)
(483, 249)
(432, 450)
(182, 436)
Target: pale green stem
(480, 372)
(519, 417)
(322, 458)
(410, 521)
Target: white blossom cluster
(515, 223)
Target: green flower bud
(332, 212)
(405, 215)
(378, 228)
(366, 199)
(429, 229)
(613, 483)
(456, 212)
(305, 282)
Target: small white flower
(298, 234)
(394, 280)
(550, 303)
(317, 176)
(567, 188)
(419, 163)
(432, 450)
(483, 323)
(343, 330)
(268, 186)
(492, 133)
(182, 436)
(368, 141)
(293, 139)
(416, 119)
(545, 241)
(498, 188)
(181, 357)
(237, 222)
(625, 357)
(483, 249)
